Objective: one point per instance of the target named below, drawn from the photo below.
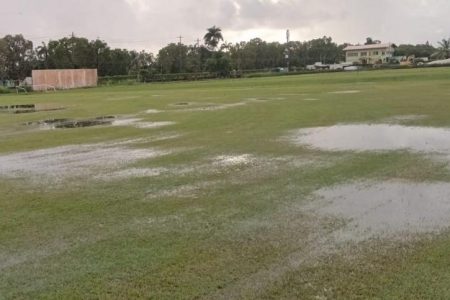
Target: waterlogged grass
(204, 229)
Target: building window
(363, 53)
(352, 54)
(375, 53)
(383, 53)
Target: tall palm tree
(443, 50)
(42, 54)
(212, 37)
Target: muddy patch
(99, 121)
(388, 209)
(18, 109)
(377, 137)
(29, 108)
(70, 123)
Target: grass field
(202, 190)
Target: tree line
(18, 56)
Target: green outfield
(220, 190)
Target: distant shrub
(117, 79)
(4, 90)
(181, 77)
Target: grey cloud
(152, 24)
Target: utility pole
(73, 50)
(199, 57)
(288, 37)
(181, 53)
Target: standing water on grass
(377, 137)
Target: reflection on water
(377, 137)
(387, 208)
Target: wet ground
(376, 137)
(71, 123)
(233, 201)
(386, 209)
(61, 163)
(382, 209)
(28, 108)
(98, 121)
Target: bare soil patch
(71, 123)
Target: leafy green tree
(219, 63)
(172, 58)
(3, 59)
(370, 41)
(71, 53)
(59, 56)
(101, 53)
(213, 37)
(18, 56)
(141, 60)
(81, 53)
(42, 56)
(420, 50)
(443, 52)
(75, 52)
(119, 62)
(196, 58)
(322, 50)
(142, 65)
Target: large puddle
(28, 108)
(377, 137)
(56, 164)
(386, 209)
(99, 121)
(70, 123)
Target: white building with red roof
(369, 54)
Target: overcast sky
(152, 24)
